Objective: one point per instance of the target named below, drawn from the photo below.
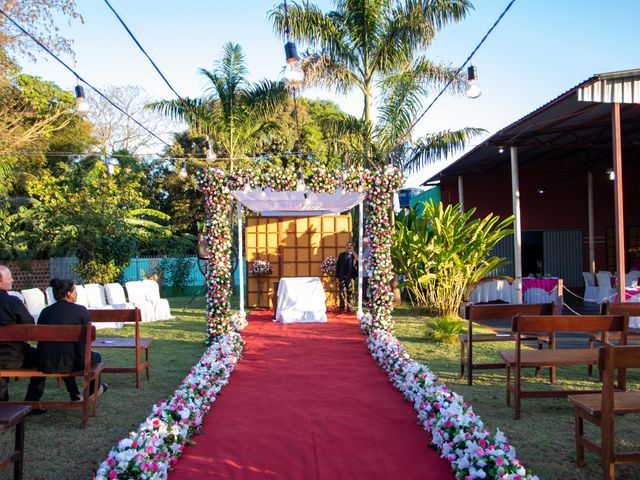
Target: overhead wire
(79, 77)
(453, 77)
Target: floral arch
(377, 186)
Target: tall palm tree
(232, 112)
(378, 45)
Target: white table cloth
(301, 300)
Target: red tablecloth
(547, 283)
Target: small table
(301, 300)
(13, 416)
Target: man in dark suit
(13, 354)
(346, 271)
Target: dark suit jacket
(62, 357)
(12, 312)
(346, 267)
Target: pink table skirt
(629, 292)
(547, 284)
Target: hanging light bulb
(263, 193)
(301, 186)
(473, 90)
(111, 164)
(210, 154)
(501, 149)
(611, 173)
(183, 170)
(293, 75)
(82, 106)
(307, 201)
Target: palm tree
(378, 45)
(232, 112)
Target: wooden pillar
(517, 229)
(618, 199)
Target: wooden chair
(138, 343)
(521, 358)
(13, 416)
(475, 313)
(601, 409)
(633, 335)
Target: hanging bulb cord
(402, 139)
(286, 20)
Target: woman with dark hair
(63, 357)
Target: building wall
(563, 205)
(29, 273)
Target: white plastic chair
(49, 294)
(161, 308)
(17, 295)
(34, 301)
(605, 291)
(82, 299)
(631, 279)
(590, 288)
(98, 300)
(135, 292)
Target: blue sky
(540, 49)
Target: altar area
(295, 247)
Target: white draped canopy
(297, 204)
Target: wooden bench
(601, 409)
(57, 333)
(476, 313)
(519, 358)
(139, 344)
(629, 309)
(13, 416)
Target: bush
(446, 329)
(96, 271)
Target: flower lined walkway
(307, 401)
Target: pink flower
(113, 474)
(499, 460)
(111, 462)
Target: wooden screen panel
(295, 246)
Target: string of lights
(406, 134)
(80, 78)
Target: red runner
(307, 401)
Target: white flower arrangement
(456, 431)
(151, 451)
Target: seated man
(14, 354)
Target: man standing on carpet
(346, 271)
(366, 271)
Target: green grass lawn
(56, 447)
(544, 435)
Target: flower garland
(456, 431)
(380, 233)
(379, 186)
(213, 183)
(151, 451)
(328, 265)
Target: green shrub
(446, 329)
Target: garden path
(307, 401)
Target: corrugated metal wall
(563, 255)
(504, 249)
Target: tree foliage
(444, 252)
(378, 46)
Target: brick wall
(28, 274)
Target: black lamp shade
(291, 51)
(472, 73)
(79, 91)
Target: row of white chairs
(144, 294)
(598, 287)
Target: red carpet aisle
(308, 401)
